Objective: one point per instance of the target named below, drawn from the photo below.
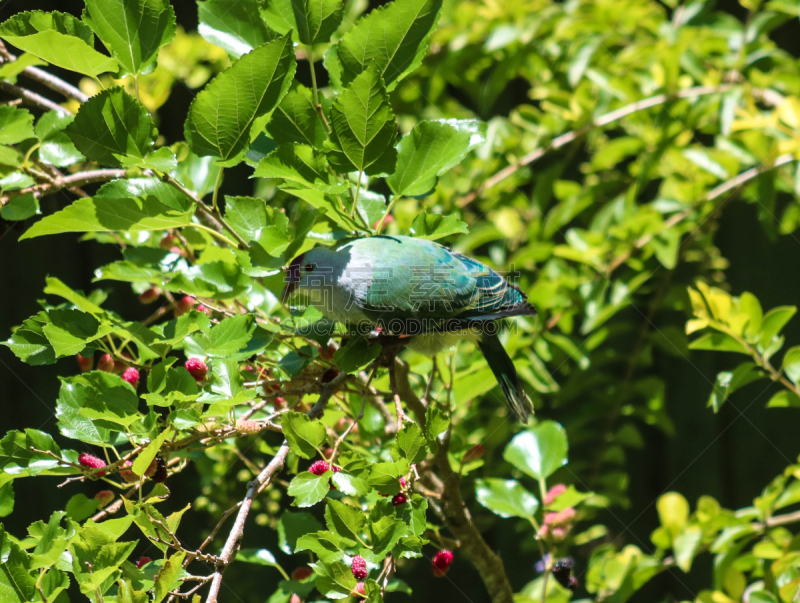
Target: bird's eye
(310, 267)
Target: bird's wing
(414, 278)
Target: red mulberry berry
(197, 368)
(553, 493)
(360, 590)
(399, 499)
(91, 462)
(127, 474)
(359, 567)
(248, 426)
(131, 375)
(103, 498)
(142, 561)
(318, 467)
(85, 363)
(106, 363)
(301, 573)
(473, 454)
(149, 296)
(441, 562)
(184, 305)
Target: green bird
(418, 292)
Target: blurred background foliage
(608, 212)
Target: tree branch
(72, 181)
(31, 98)
(767, 96)
(208, 213)
(713, 194)
(231, 546)
(489, 565)
(46, 78)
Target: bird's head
(304, 270)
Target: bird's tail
(506, 375)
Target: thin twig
(229, 550)
(603, 120)
(205, 209)
(712, 195)
(31, 98)
(43, 77)
(72, 181)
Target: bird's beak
(292, 278)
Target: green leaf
(773, 322)
(7, 499)
(229, 336)
(11, 69)
(236, 27)
(101, 214)
(328, 203)
(17, 583)
(392, 39)
(79, 507)
(107, 399)
(317, 20)
(410, 445)
(355, 355)
(325, 545)
(70, 330)
(29, 344)
(506, 498)
(334, 579)
(296, 119)
(429, 150)
(21, 207)
(384, 534)
(308, 489)
(113, 128)
(686, 546)
(71, 423)
(280, 16)
(349, 484)
(436, 226)
(385, 477)
(791, 364)
(253, 220)
(728, 382)
(298, 163)
(16, 125)
(146, 456)
(55, 146)
(305, 436)
(720, 342)
(363, 128)
(291, 526)
(414, 514)
(59, 39)
(145, 187)
(167, 578)
(257, 557)
(18, 460)
(221, 116)
(371, 206)
(436, 422)
(132, 31)
(347, 522)
(538, 451)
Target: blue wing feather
(414, 278)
